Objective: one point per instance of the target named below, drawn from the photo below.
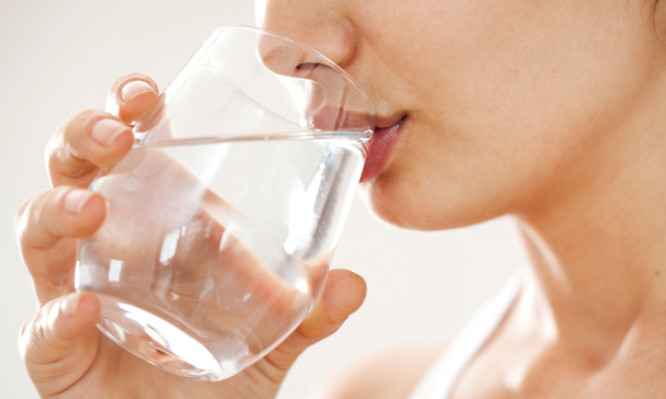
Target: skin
(552, 112)
(548, 111)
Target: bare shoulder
(387, 374)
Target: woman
(553, 112)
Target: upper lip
(334, 118)
(385, 122)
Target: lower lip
(379, 149)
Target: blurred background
(59, 58)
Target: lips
(381, 146)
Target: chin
(411, 207)
(397, 206)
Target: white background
(59, 57)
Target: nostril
(306, 66)
(314, 71)
(293, 60)
(280, 57)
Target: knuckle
(71, 131)
(31, 222)
(77, 122)
(38, 329)
(65, 153)
(19, 217)
(26, 337)
(22, 221)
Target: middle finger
(87, 142)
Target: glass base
(159, 342)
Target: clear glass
(223, 218)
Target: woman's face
(490, 107)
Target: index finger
(95, 139)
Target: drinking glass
(222, 219)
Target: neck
(595, 283)
(597, 249)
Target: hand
(64, 353)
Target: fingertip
(79, 304)
(132, 97)
(105, 131)
(86, 209)
(88, 307)
(62, 213)
(123, 142)
(355, 280)
(136, 108)
(345, 292)
(78, 312)
(111, 140)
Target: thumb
(59, 343)
(343, 293)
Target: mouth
(380, 147)
(384, 137)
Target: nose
(325, 97)
(319, 24)
(332, 102)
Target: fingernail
(69, 305)
(106, 130)
(134, 89)
(75, 200)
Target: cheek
(439, 187)
(499, 156)
(453, 182)
(508, 111)
(435, 180)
